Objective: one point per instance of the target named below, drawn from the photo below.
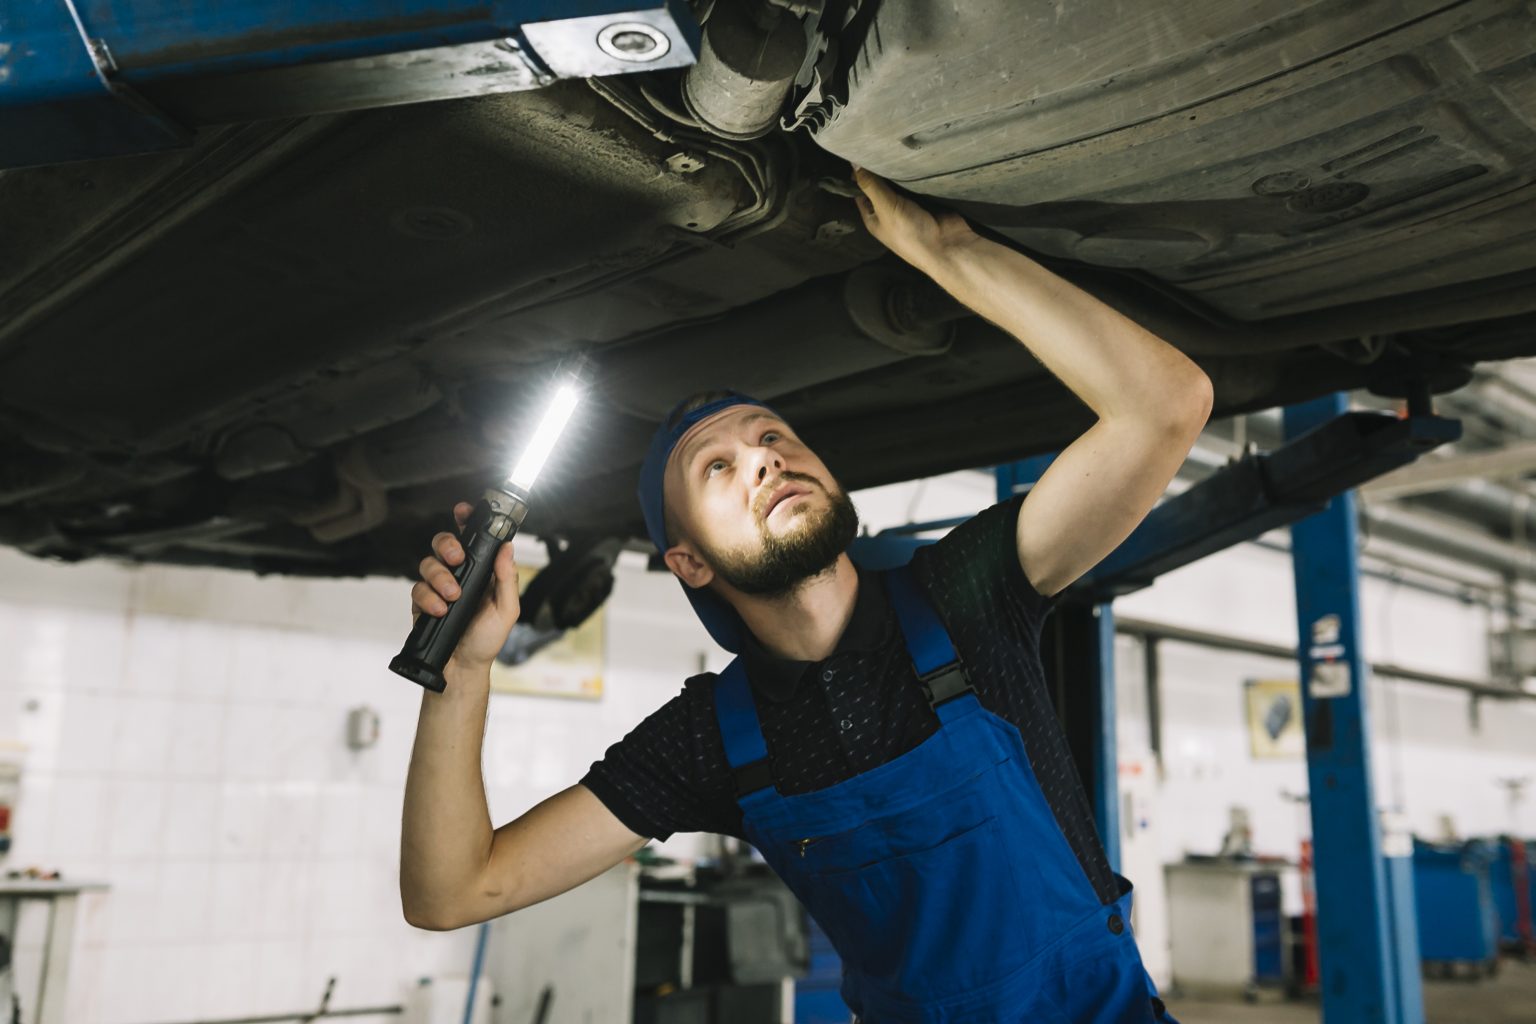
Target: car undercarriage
(293, 344)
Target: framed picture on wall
(1274, 719)
(553, 663)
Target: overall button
(826, 676)
(1116, 924)
(847, 724)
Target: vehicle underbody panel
(292, 346)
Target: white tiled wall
(183, 738)
(1428, 758)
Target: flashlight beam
(550, 428)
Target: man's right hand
(454, 870)
(488, 630)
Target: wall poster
(1274, 719)
(571, 666)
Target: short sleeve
(973, 572)
(994, 616)
(666, 775)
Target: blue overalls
(941, 876)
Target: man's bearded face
(761, 509)
(793, 544)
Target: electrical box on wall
(362, 727)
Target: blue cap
(718, 617)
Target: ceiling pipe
(1433, 474)
(1498, 509)
(1442, 537)
(1465, 587)
(1502, 507)
(1146, 629)
(1509, 393)
(1500, 406)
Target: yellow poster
(571, 666)
(1274, 719)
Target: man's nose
(767, 462)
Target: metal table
(53, 979)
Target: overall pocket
(910, 830)
(932, 922)
(1096, 977)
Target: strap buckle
(752, 777)
(945, 683)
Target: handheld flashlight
(494, 521)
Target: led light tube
(550, 428)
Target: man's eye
(772, 436)
(718, 464)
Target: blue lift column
(1079, 654)
(1368, 944)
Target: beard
(785, 562)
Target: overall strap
(745, 748)
(933, 656)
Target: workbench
(47, 1003)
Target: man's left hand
(905, 227)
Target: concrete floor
(1508, 998)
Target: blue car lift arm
(81, 79)
(1263, 491)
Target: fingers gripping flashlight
(494, 521)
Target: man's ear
(687, 566)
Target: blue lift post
(1367, 938)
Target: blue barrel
(1457, 921)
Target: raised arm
(1151, 400)
(454, 869)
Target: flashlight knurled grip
(494, 521)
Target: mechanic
(885, 740)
